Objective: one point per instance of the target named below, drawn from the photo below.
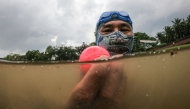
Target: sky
(35, 24)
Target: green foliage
(32, 55)
(79, 49)
(139, 46)
(14, 57)
(161, 37)
(180, 29)
(51, 53)
(64, 53)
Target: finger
(103, 57)
(107, 92)
(86, 90)
(118, 99)
(112, 81)
(117, 56)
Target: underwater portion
(155, 80)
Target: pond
(155, 80)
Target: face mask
(116, 42)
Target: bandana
(116, 42)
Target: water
(154, 81)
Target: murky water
(155, 80)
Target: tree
(79, 49)
(177, 27)
(15, 57)
(186, 26)
(32, 55)
(138, 46)
(50, 52)
(170, 34)
(161, 37)
(42, 56)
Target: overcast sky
(35, 24)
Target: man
(114, 32)
(104, 84)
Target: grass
(175, 47)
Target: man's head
(114, 32)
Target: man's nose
(116, 29)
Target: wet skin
(104, 84)
(116, 25)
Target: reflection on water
(155, 80)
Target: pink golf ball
(90, 54)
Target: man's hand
(101, 88)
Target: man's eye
(124, 30)
(106, 31)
